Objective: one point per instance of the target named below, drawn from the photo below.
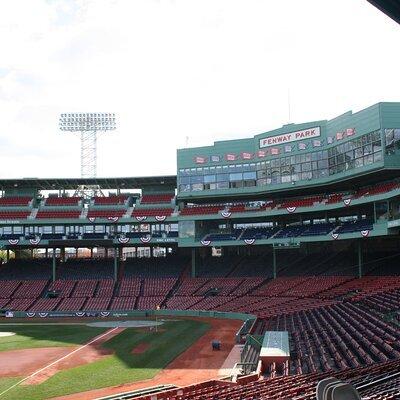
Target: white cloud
(206, 69)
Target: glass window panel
(378, 156)
(249, 175)
(261, 182)
(359, 162)
(376, 146)
(222, 185)
(322, 164)
(235, 177)
(367, 149)
(358, 152)
(209, 178)
(222, 177)
(368, 159)
(197, 186)
(197, 179)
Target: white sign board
(290, 137)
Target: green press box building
(324, 155)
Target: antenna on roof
(187, 141)
(288, 97)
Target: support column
(274, 261)
(54, 265)
(8, 255)
(193, 273)
(359, 258)
(115, 263)
(375, 211)
(47, 252)
(91, 252)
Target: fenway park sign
(290, 137)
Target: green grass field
(121, 367)
(33, 336)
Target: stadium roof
(73, 183)
(390, 7)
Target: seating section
(336, 323)
(62, 201)
(15, 201)
(372, 380)
(303, 202)
(11, 214)
(110, 200)
(157, 198)
(58, 214)
(106, 212)
(152, 212)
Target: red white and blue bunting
(364, 233)
(30, 314)
(160, 218)
(104, 313)
(123, 239)
(142, 218)
(113, 219)
(35, 241)
(205, 242)
(13, 242)
(80, 314)
(249, 241)
(334, 236)
(291, 209)
(346, 202)
(145, 239)
(226, 214)
(92, 219)
(43, 314)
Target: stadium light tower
(88, 124)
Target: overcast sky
(178, 71)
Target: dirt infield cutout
(6, 334)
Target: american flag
(230, 157)
(261, 153)
(316, 143)
(200, 160)
(302, 146)
(247, 156)
(275, 151)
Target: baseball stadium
(266, 268)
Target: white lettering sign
(290, 137)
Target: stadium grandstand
(296, 229)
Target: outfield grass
(33, 336)
(121, 367)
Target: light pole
(88, 124)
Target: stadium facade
(321, 182)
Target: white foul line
(60, 359)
